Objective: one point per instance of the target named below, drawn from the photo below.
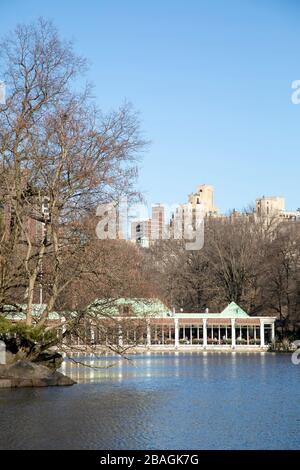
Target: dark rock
(29, 374)
(50, 359)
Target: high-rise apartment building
(270, 206)
(141, 232)
(204, 196)
(274, 208)
(189, 216)
(145, 232)
(157, 222)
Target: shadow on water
(161, 401)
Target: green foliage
(4, 325)
(30, 333)
(19, 336)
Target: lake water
(161, 401)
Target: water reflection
(85, 368)
(160, 401)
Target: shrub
(25, 341)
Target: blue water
(162, 401)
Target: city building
(141, 232)
(270, 206)
(144, 232)
(157, 222)
(274, 208)
(191, 214)
(204, 196)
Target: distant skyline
(211, 80)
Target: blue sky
(211, 80)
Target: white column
(233, 342)
(176, 332)
(247, 335)
(92, 335)
(273, 331)
(219, 335)
(148, 334)
(120, 338)
(204, 333)
(63, 329)
(262, 333)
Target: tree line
(252, 261)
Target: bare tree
(60, 157)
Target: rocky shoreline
(28, 374)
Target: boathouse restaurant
(152, 325)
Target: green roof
(18, 313)
(154, 307)
(233, 311)
(139, 306)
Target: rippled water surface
(161, 401)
